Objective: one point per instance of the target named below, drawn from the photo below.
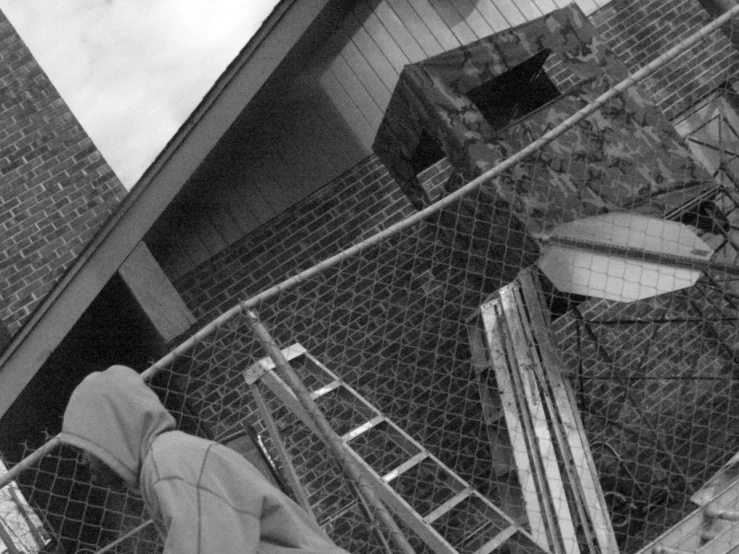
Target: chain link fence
(470, 444)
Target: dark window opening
(427, 153)
(516, 92)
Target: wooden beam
(155, 294)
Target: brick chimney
(56, 190)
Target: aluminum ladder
(396, 469)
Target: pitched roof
(146, 201)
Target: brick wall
(354, 206)
(639, 31)
(365, 199)
(55, 188)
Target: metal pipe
(29, 461)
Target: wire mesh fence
(484, 406)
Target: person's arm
(196, 521)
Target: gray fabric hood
(115, 416)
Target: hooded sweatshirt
(204, 497)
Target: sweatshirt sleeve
(195, 521)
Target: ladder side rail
(567, 459)
(568, 427)
(527, 358)
(585, 481)
(528, 476)
(299, 492)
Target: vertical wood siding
(319, 124)
(290, 148)
(379, 37)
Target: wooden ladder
(400, 469)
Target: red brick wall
(55, 188)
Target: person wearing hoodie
(204, 497)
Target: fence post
(287, 373)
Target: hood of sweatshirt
(115, 416)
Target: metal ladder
(711, 529)
(445, 511)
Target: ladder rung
(405, 466)
(448, 505)
(497, 540)
(354, 433)
(659, 549)
(318, 393)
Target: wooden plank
(397, 28)
(382, 38)
(510, 11)
(529, 9)
(558, 425)
(585, 477)
(377, 59)
(366, 74)
(436, 25)
(495, 335)
(524, 352)
(587, 6)
(456, 23)
(155, 294)
(417, 27)
(354, 87)
(493, 16)
(546, 6)
(467, 10)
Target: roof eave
(146, 201)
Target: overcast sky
(133, 70)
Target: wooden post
(287, 373)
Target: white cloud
(133, 70)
